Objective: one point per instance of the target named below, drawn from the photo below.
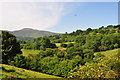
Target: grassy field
(26, 52)
(109, 53)
(23, 73)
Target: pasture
(16, 72)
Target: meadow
(26, 52)
(12, 71)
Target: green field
(26, 52)
(22, 73)
(109, 53)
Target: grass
(59, 47)
(26, 52)
(23, 73)
(109, 53)
(58, 44)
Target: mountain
(28, 33)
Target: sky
(57, 16)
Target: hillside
(91, 53)
(28, 33)
(11, 71)
(105, 64)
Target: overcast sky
(57, 16)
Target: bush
(63, 45)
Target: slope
(11, 71)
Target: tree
(63, 45)
(88, 30)
(19, 61)
(61, 54)
(116, 45)
(70, 45)
(10, 47)
(80, 39)
(39, 44)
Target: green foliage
(18, 61)
(79, 52)
(78, 32)
(63, 45)
(70, 45)
(103, 66)
(10, 47)
(61, 54)
(38, 44)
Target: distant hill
(28, 33)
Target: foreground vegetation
(104, 65)
(74, 55)
(101, 65)
(12, 71)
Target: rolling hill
(12, 72)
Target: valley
(91, 53)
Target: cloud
(40, 15)
(18, 15)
